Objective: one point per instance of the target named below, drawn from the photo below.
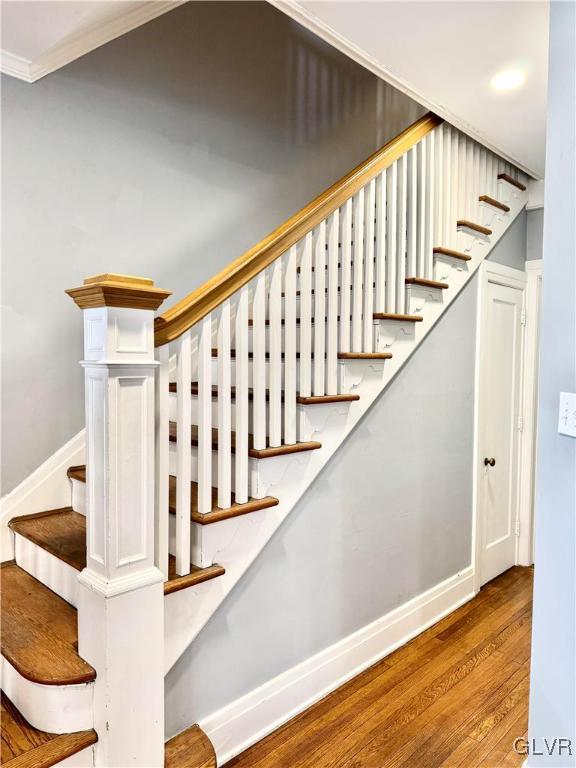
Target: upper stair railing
(238, 353)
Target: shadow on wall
(165, 153)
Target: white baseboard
(245, 721)
(46, 488)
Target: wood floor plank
(449, 698)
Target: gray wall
(534, 234)
(511, 250)
(165, 153)
(389, 517)
(553, 676)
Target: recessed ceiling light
(508, 80)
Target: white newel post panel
(121, 609)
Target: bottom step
(190, 749)
(26, 747)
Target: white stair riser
(419, 296)
(78, 496)
(50, 708)
(54, 573)
(447, 267)
(390, 335)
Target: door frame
(519, 279)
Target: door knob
(490, 462)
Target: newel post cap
(111, 290)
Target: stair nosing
(494, 203)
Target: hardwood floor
(455, 697)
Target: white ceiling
(444, 54)
(441, 53)
(40, 36)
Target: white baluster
(224, 409)
(259, 361)
(205, 414)
(401, 252)
(483, 173)
(412, 213)
(162, 419)
(183, 445)
(306, 316)
(422, 219)
(332, 325)
(345, 274)
(369, 215)
(357, 270)
(380, 244)
(448, 222)
(391, 239)
(290, 371)
(275, 355)
(439, 190)
(241, 410)
(319, 307)
(477, 192)
(430, 206)
(470, 178)
(462, 178)
(455, 193)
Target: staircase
(261, 375)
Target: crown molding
(15, 66)
(309, 20)
(89, 38)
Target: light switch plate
(567, 414)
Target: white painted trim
(82, 759)
(535, 194)
(51, 708)
(15, 66)
(534, 271)
(489, 271)
(309, 20)
(48, 569)
(245, 721)
(93, 36)
(46, 488)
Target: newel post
(120, 610)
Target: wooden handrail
(187, 312)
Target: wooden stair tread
(24, 746)
(452, 253)
(197, 575)
(424, 283)
(190, 749)
(319, 399)
(402, 318)
(62, 533)
(475, 227)
(39, 632)
(301, 400)
(253, 453)
(493, 202)
(364, 355)
(510, 180)
(217, 513)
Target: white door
(498, 438)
